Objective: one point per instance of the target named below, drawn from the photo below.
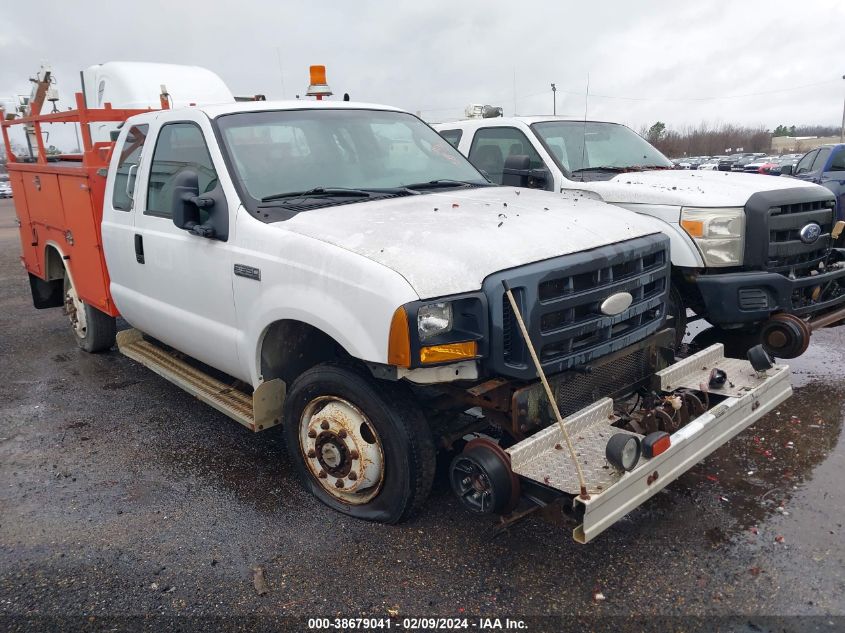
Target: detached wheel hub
(482, 478)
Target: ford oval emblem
(809, 233)
(616, 303)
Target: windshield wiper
(339, 192)
(320, 191)
(603, 168)
(443, 183)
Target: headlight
(434, 319)
(424, 334)
(719, 234)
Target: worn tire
(678, 313)
(409, 455)
(99, 330)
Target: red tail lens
(656, 443)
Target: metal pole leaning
(548, 389)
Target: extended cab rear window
(453, 136)
(127, 168)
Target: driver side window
(179, 147)
(803, 165)
(492, 146)
(838, 161)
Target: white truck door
(118, 225)
(183, 281)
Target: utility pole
(842, 129)
(554, 100)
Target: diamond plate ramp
(544, 457)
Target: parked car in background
(711, 164)
(5, 190)
(727, 162)
(770, 167)
(742, 161)
(756, 165)
(825, 166)
(689, 163)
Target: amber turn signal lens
(695, 228)
(448, 352)
(399, 341)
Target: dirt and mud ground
(121, 495)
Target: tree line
(711, 140)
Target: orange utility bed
(59, 204)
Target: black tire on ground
(409, 456)
(736, 342)
(678, 314)
(100, 329)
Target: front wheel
(361, 446)
(94, 331)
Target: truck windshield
(598, 150)
(281, 157)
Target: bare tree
(704, 140)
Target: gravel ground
(121, 495)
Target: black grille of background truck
(787, 253)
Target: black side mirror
(786, 170)
(186, 214)
(187, 205)
(518, 173)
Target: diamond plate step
(267, 399)
(544, 457)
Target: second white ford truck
(339, 269)
(752, 255)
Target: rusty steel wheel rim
(342, 449)
(75, 310)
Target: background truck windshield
(282, 151)
(576, 146)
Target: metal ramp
(543, 456)
(257, 412)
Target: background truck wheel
(94, 331)
(678, 313)
(736, 342)
(361, 446)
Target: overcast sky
(681, 63)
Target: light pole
(842, 129)
(554, 101)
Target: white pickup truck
(753, 255)
(339, 269)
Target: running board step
(257, 412)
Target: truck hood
(686, 188)
(447, 243)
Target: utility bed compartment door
(28, 235)
(83, 242)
